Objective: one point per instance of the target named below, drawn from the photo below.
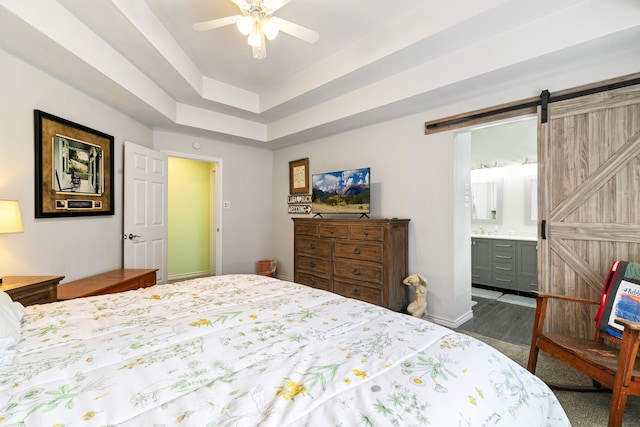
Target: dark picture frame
(299, 176)
(73, 169)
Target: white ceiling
(375, 59)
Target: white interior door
(145, 209)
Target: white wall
(246, 174)
(73, 247)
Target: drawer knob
(313, 245)
(356, 251)
(356, 291)
(312, 281)
(366, 233)
(356, 271)
(312, 264)
(331, 230)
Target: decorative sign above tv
(345, 191)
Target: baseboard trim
(452, 324)
(186, 276)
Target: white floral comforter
(246, 350)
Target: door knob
(132, 236)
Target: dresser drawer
(335, 231)
(43, 296)
(504, 280)
(367, 232)
(362, 251)
(358, 291)
(306, 230)
(363, 272)
(312, 264)
(508, 246)
(508, 269)
(318, 247)
(504, 257)
(313, 281)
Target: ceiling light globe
(270, 30)
(245, 24)
(255, 38)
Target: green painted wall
(189, 221)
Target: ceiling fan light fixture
(245, 25)
(255, 37)
(258, 24)
(270, 29)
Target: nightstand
(29, 290)
(120, 280)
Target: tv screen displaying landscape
(345, 191)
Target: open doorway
(503, 217)
(503, 171)
(193, 226)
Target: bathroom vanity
(507, 262)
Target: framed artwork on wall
(73, 168)
(299, 176)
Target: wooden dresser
(364, 259)
(125, 279)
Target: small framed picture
(299, 176)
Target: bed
(249, 350)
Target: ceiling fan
(257, 22)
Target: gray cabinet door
(481, 261)
(527, 265)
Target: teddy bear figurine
(418, 307)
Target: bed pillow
(11, 314)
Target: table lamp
(10, 221)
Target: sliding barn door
(589, 197)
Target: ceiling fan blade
(303, 33)
(274, 5)
(216, 23)
(242, 4)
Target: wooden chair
(609, 361)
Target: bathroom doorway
(503, 216)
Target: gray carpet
(583, 409)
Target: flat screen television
(340, 192)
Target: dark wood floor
(506, 322)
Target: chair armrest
(628, 323)
(543, 295)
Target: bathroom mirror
(486, 197)
(531, 200)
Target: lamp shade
(10, 221)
